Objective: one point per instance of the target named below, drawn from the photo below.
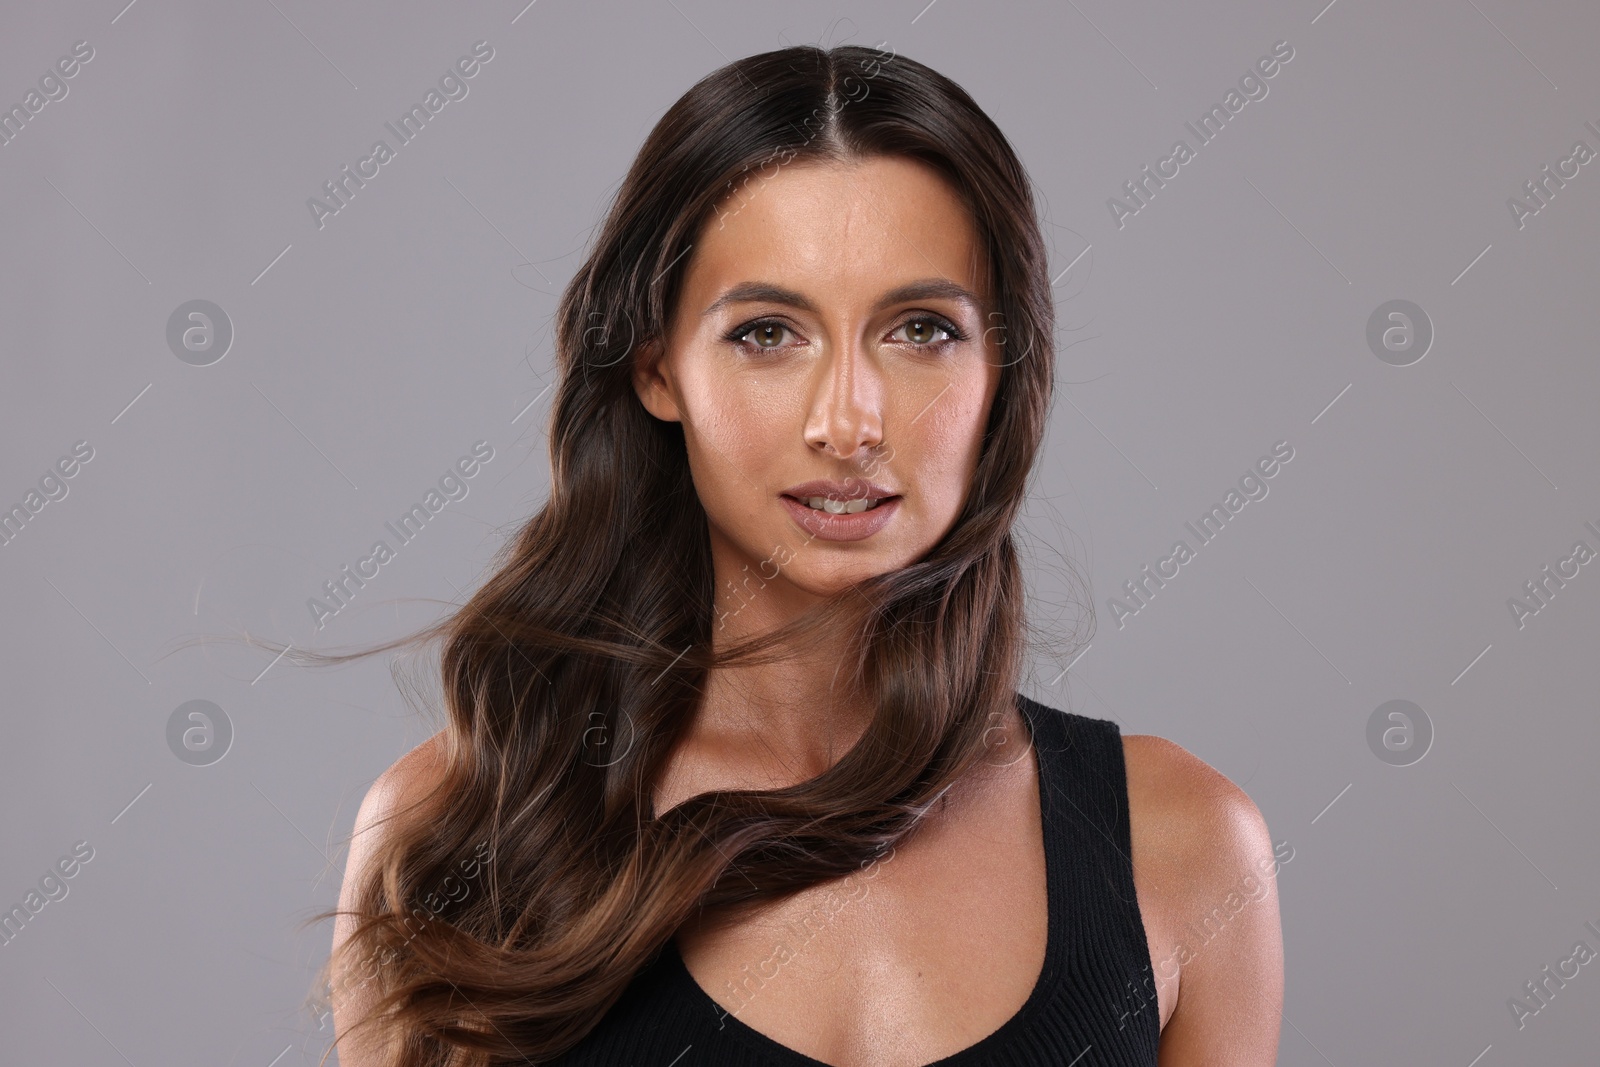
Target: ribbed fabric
(1094, 1004)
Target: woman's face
(831, 345)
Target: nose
(846, 407)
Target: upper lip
(854, 489)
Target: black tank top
(1094, 1004)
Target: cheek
(742, 425)
(946, 441)
(734, 430)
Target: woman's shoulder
(1173, 786)
(1175, 799)
(1202, 854)
(1195, 830)
(410, 777)
(407, 782)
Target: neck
(791, 719)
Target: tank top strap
(1085, 786)
(1084, 809)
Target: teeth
(841, 507)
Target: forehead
(842, 233)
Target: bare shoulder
(1187, 803)
(405, 783)
(408, 780)
(1204, 863)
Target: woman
(735, 762)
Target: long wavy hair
(571, 673)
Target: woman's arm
(354, 988)
(1204, 852)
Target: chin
(827, 581)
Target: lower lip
(827, 526)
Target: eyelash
(939, 322)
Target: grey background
(1230, 313)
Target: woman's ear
(652, 384)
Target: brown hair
(571, 672)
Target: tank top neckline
(1047, 737)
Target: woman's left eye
(920, 331)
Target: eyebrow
(923, 289)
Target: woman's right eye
(763, 332)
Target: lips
(849, 510)
(850, 489)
